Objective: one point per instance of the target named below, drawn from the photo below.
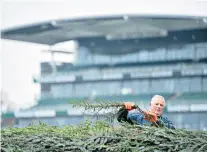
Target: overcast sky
(20, 60)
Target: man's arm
(129, 116)
(170, 125)
(135, 117)
(167, 123)
(122, 115)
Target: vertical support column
(195, 52)
(54, 69)
(52, 62)
(166, 52)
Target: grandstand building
(122, 58)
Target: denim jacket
(131, 117)
(139, 119)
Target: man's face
(157, 105)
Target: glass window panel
(195, 85)
(184, 84)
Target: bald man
(156, 107)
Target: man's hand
(129, 105)
(150, 116)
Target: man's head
(157, 105)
